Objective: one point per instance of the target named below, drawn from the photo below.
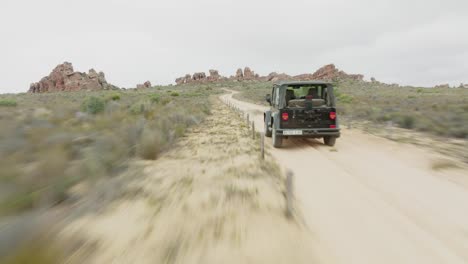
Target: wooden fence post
(262, 145)
(289, 194)
(253, 130)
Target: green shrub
(138, 108)
(344, 98)
(93, 105)
(174, 94)
(18, 202)
(165, 101)
(39, 250)
(406, 121)
(154, 98)
(114, 97)
(150, 145)
(8, 102)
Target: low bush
(93, 105)
(8, 102)
(406, 121)
(114, 97)
(155, 98)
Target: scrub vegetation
(51, 143)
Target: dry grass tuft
(443, 164)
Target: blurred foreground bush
(51, 142)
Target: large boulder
(199, 76)
(327, 72)
(145, 85)
(180, 80)
(248, 74)
(275, 77)
(239, 74)
(214, 75)
(443, 86)
(330, 72)
(64, 78)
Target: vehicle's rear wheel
(267, 129)
(329, 140)
(277, 140)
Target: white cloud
(411, 42)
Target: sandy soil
(372, 200)
(209, 200)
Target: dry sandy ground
(209, 200)
(372, 200)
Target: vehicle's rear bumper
(311, 133)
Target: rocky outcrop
(330, 72)
(304, 77)
(249, 74)
(276, 77)
(239, 74)
(200, 77)
(145, 85)
(214, 75)
(64, 78)
(180, 80)
(326, 73)
(246, 75)
(443, 86)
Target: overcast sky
(417, 42)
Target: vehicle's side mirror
(268, 98)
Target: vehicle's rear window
(296, 95)
(316, 91)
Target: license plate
(292, 132)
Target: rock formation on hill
(214, 75)
(200, 77)
(248, 74)
(64, 78)
(145, 85)
(239, 74)
(326, 73)
(275, 77)
(330, 72)
(443, 86)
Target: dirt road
(210, 199)
(371, 200)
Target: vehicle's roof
(301, 82)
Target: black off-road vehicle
(302, 109)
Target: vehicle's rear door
(301, 118)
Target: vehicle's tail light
(332, 115)
(285, 116)
(332, 126)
